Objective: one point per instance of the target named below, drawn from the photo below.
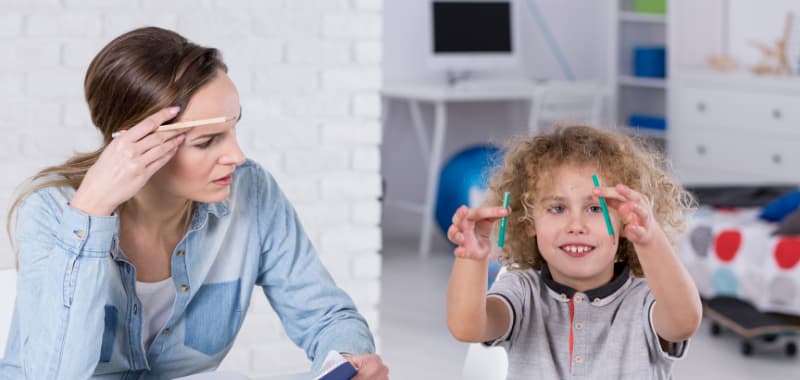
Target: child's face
(571, 232)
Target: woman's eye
(205, 144)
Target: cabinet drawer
(741, 110)
(751, 157)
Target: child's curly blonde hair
(530, 161)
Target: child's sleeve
(664, 349)
(513, 290)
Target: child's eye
(556, 209)
(595, 209)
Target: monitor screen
(472, 27)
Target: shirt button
(596, 301)
(135, 309)
(578, 298)
(180, 253)
(563, 297)
(184, 288)
(166, 330)
(79, 233)
(579, 359)
(578, 325)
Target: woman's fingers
(167, 149)
(148, 125)
(156, 139)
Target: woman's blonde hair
(132, 77)
(530, 161)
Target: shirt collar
(621, 275)
(200, 217)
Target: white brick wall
(308, 72)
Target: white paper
(332, 360)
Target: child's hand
(471, 229)
(635, 211)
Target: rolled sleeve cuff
(87, 235)
(353, 338)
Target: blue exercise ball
(464, 180)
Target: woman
(138, 260)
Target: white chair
(485, 363)
(8, 289)
(566, 102)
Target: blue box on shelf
(650, 61)
(657, 123)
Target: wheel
(791, 349)
(716, 329)
(747, 348)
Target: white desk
(439, 96)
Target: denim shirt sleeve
(316, 314)
(60, 292)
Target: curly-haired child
(580, 299)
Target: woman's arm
(316, 314)
(61, 291)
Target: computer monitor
(474, 35)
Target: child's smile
(577, 250)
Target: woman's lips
(224, 181)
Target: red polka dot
(787, 252)
(727, 244)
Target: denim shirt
(77, 315)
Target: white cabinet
(726, 134)
(729, 128)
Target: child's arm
(471, 316)
(678, 311)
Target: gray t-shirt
(604, 333)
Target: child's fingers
(458, 216)
(635, 232)
(610, 194)
(631, 194)
(483, 213)
(454, 234)
(641, 212)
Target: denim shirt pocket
(213, 317)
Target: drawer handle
(701, 106)
(776, 158)
(701, 150)
(777, 114)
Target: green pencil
(604, 207)
(501, 238)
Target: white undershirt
(157, 301)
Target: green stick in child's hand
(501, 239)
(604, 207)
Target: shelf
(647, 18)
(631, 81)
(645, 132)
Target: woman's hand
(369, 367)
(126, 164)
(635, 210)
(471, 229)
